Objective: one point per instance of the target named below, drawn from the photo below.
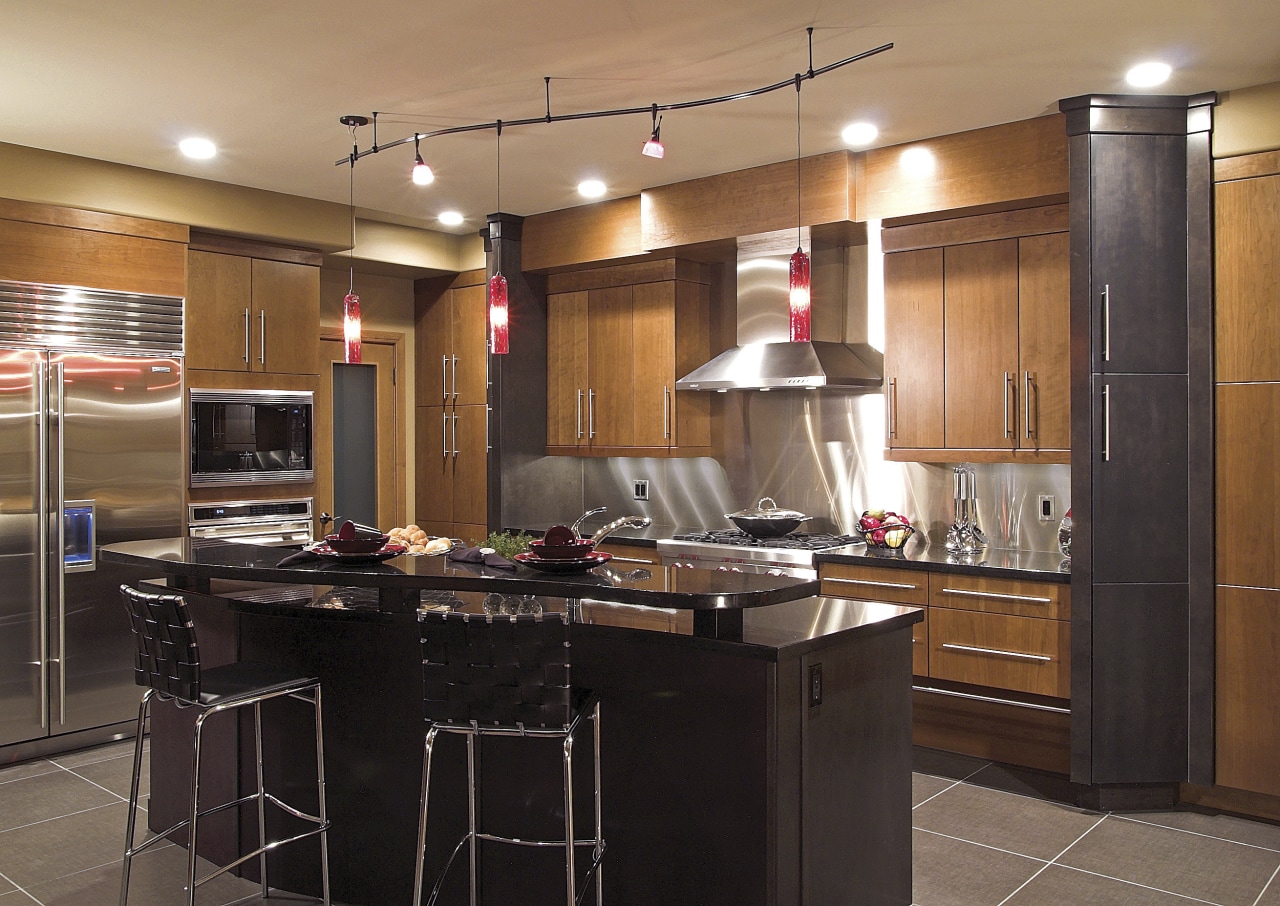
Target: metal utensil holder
(965, 535)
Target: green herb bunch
(506, 544)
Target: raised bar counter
(729, 777)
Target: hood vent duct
(839, 355)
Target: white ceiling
(267, 80)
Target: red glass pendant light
(800, 314)
(498, 315)
(351, 329)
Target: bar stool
(504, 675)
(168, 665)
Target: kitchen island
(768, 768)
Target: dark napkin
(474, 555)
(299, 558)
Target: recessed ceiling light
(451, 218)
(198, 148)
(591, 188)
(859, 134)
(1148, 75)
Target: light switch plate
(1046, 506)
(640, 489)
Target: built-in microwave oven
(251, 437)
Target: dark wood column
(1142, 444)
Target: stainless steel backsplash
(820, 452)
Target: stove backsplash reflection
(820, 453)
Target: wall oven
(251, 437)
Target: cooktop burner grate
(803, 541)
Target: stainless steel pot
(767, 520)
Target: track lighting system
(422, 175)
(653, 147)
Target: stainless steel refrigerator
(91, 453)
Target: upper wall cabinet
(252, 314)
(617, 340)
(976, 339)
(1247, 267)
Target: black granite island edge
(727, 778)
(996, 563)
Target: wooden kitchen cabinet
(1247, 274)
(252, 314)
(452, 468)
(913, 349)
(451, 338)
(986, 649)
(977, 342)
(1247, 717)
(615, 348)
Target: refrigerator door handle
(42, 510)
(60, 387)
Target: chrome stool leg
(134, 785)
(427, 747)
(195, 802)
(262, 794)
(471, 809)
(598, 851)
(571, 881)
(324, 817)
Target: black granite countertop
(402, 579)
(1038, 566)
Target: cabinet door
(1139, 253)
(434, 465)
(1248, 486)
(981, 351)
(691, 409)
(913, 353)
(218, 311)
(609, 367)
(468, 435)
(286, 321)
(1140, 509)
(1044, 342)
(469, 375)
(653, 340)
(566, 369)
(1247, 275)
(434, 329)
(1247, 690)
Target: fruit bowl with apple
(885, 529)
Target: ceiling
(267, 81)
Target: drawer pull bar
(1043, 658)
(991, 698)
(1033, 599)
(874, 584)
(616, 559)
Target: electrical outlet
(640, 489)
(815, 685)
(1045, 507)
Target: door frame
(324, 481)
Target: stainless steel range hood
(764, 359)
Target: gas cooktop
(801, 541)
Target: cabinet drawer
(632, 554)
(875, 583)
(1017, 597)
(987, 649)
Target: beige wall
(1247, 120)
(386, 304)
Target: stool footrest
(559, 844)
(263, 849)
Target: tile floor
(984, 835)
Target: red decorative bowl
(571, 550)
(356, 545)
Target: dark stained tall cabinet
(1142, 442)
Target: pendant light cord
(798, 220)
(351, 210)
(498, 190)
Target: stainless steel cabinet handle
(488, 410)
(666, 412)
(444, 434)
(1106, 323)
(1026, 405)
(874, 584)
(59, 383)
(617, 559)
(1106, 423)
(1006, 404)
(444, 377)
(591, 414)
(455, 377)
(262, 337)
(455, 437)
(246, 336)
(998, 652)
(891, 399)
(42, 492)
(578, 412)
(1033, 599)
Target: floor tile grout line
(1007, 852)
(98, 785)
(1270, 881)
(1045, 867)
(83, 811)
(1172, 893)
(20, 889)
(1183, 830)
(52, 770)
(955, 783)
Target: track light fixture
(422, 175)
(653, 147)
(499, 340)
(801, 314)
